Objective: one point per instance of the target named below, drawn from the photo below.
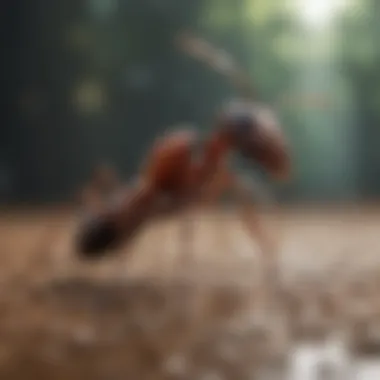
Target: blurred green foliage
(88, 81)
(359, 59)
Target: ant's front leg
(243, 191)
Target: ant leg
(186, 226)
(244, 191)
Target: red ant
(174, 177)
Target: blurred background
(86, 82)
(90, 81)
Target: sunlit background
(97, 80)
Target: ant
(182, 170)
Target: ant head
(255, 133)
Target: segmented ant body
(181, 169)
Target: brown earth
(162, 309)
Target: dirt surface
(166, 309)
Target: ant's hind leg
(181, 207)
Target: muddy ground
(164, 309)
